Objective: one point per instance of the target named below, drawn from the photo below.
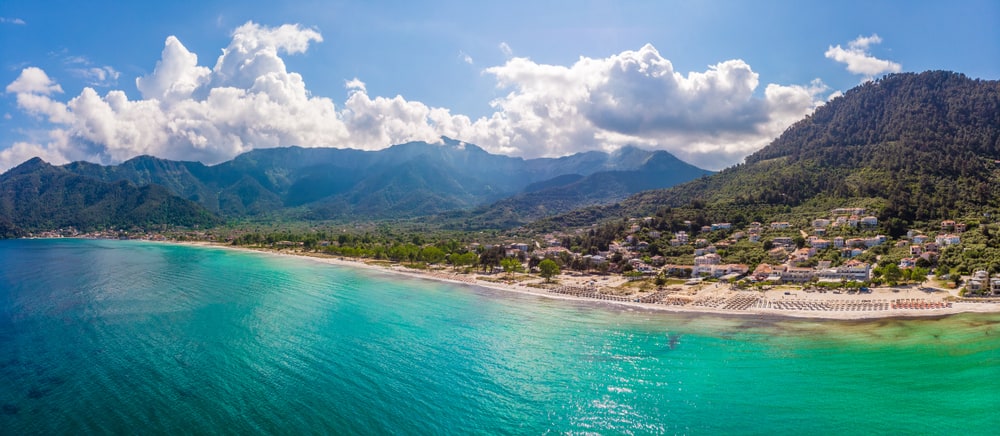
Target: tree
(799, 241)
(660, 279)
(432, 254)
(463, 259)
(511, 265)
(892, 274)
(548, 268)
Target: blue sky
(709, 81)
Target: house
(677, 270)
(819, 244)
(706, 229)
(869, 221)
(947, 225)
(960, 227)
(762, 272)
(782, 240)
(555, 251)
(654, 234)
(850, 271)
(708, 259)
(721, 226)
(820, 223)
(838, 242)
(907, 262)
(978, 282)
(640, 266)
(877, 240)
(851, 252)
(797, 275)
(856, 242)
(819, 231)
(916, 250)
(802, 255)
(778, 253)
(780, 225)
(731, 270)
(704, 264)
(919, 239)
(854, 270)
(949, 239)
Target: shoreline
(851, 313)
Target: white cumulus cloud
(33, 80)
(249, 100)
(710, 118)
(859, 60)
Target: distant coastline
(705, 299)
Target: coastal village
(787, 256)
(804, 271)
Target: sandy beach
(704, 298)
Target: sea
(129, 337)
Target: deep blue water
(133, 337)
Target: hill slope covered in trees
(913, 147)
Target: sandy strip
(473, 280)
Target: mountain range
(405, 180)
(909, 147)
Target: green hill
(39, 196)
(913, 147)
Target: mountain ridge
(402, 181)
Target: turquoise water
(131, 337)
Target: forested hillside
(915, 147)
(39, 196)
